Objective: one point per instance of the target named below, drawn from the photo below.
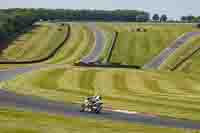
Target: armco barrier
(81, 64)
(185, 59)
(112, 47)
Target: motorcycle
(92, 107)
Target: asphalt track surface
(99, 45)
(158, 60)
(37, 104)
(11, 73)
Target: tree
(14, 21)
(142, 18)
(163, 18)
(190, 18)
(155, 17)
(198, 19)
(183, 18)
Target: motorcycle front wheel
(98, 110)
(82, 108)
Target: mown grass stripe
(75, 48)
(17, 49)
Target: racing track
(21, 102)
(36, 104)
(99, 45)
(91, 60)
(158, 60)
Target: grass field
(80, 43)
(180, 54)
(174, 94)
(36, 44)
(168, 94)
(137, 48)
(191, 65)
(12, 121)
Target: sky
(173, 8)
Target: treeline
(93, 15)
(162, 18)
(14, 20)
(190, 19)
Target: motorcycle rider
(93, 100)
(98, 99)
(92, 104)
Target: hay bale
(59, 29)
(141, 30)
(198, 25)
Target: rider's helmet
(98, 97)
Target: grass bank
(80, 43)
(13, 121)
(36, 44)
(174, 61)
(137, 48)
(169, 94)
